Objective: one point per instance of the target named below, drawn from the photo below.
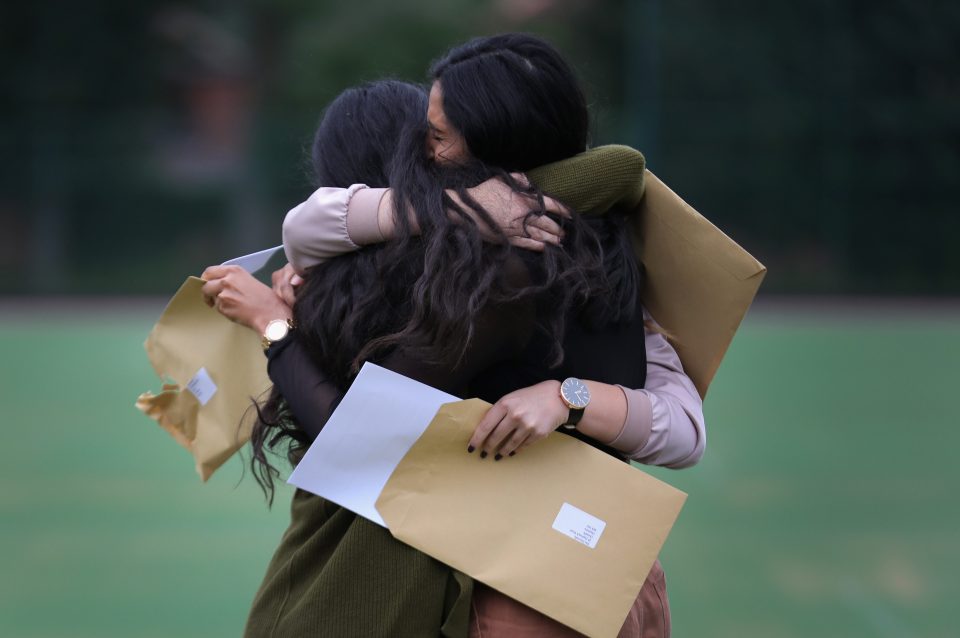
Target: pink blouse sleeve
(331, 222)
(665, 424)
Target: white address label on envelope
(578, 525)
(202, 386)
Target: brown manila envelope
(699, 283)
(561, 527)
(217, 367)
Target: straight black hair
(514, 99)
(357, 138)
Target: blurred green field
(825, 505)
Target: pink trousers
(494, 615)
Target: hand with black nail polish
(520, 419)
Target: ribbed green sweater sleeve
(593, 182)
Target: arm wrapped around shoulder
(595, 181)
(317, 229)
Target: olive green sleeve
(593, 182)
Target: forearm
(649, 426)
(665, 423)
(310, 396)
(604, 418)
(332, 222)
(593, 182)
(336, 221)
(676, 436)
(653, 427)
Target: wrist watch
(576, 396)
(276, 330)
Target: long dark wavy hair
(422, 292)
(356, 141)
(426, 292)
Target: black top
(500, 334)
(506, 353)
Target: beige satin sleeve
(331, 222)
(664, 424)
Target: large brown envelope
(496, 521)
(218, 368)
(699, 282)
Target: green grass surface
(825, 504)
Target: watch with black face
(576, 396)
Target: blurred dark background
(142, 141)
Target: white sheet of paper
(254, 261)
(380, 417)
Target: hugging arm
(659, 424)
(312, 397)
(499, 332)
(591, 183)
(332, 222)
(336, 221)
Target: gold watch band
(276, 330)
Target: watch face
(575, 393)
(276, 330)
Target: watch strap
(574, 418)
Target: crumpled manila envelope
(218, 370)
(560, 527)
